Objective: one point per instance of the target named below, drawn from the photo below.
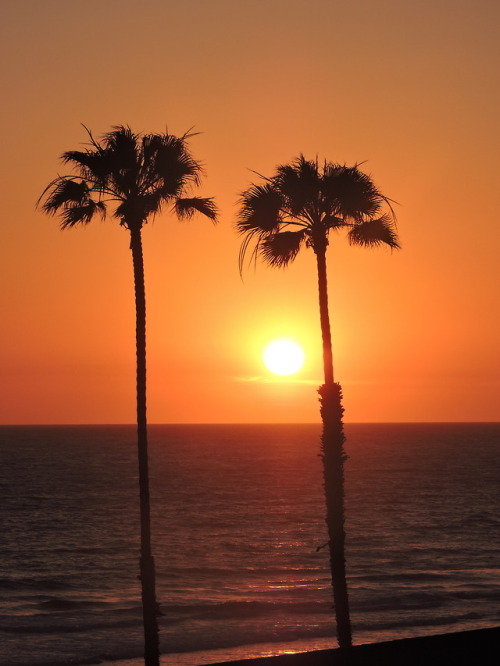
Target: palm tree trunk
(324, 317)
(333, 456)
(147, 565)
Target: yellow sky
(410, 87)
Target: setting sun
(283, 357)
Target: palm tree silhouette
(298, 207)
(132, 177)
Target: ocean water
(237, 520)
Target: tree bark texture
(324, 316)
(147, 565)
(333, 457)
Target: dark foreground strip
(468, 648)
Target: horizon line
(242, 423)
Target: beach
(468, 648)
(465, 648)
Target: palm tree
(132, 177)
(298, 207)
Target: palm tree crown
(129, 175)
(303, 202)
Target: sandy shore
(469, 648)
(480, 647)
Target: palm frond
(260, 209)
(122, 156)
(279, 249)
(333, 222)
(375, 232)
(169, 164)
(82, 214)
(106, 159)
(248, 239)
(65, 191)
(122, 143)
(349, 193)
(93, 166)
(149, 203)
(186, 207)
(300, 183)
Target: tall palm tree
(299, 206)
(132, 177)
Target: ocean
(237, 521)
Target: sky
(411, 89)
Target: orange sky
(411, 87)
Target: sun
(283, 357)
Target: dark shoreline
(480, 647)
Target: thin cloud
(277, 380)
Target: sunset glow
(283, 357)
(414, 102)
